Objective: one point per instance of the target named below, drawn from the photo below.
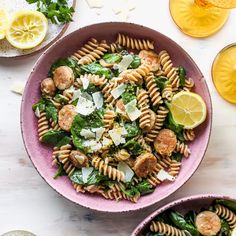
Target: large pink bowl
(41, 155)
(182, 205)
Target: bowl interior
(182, 205)
(41, 154)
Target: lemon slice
(27, 29)
(233, 233)
(188, 109)
(3, 23)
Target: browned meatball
(145, 164)
(48, 87)
(66, 116)
(63, 77)
(165, 142)
(78, 159)
(208, 223)
(150, 58)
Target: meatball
(66, 116)
(48, 87)
(165, 142)
(150, 58)
(63, 77)
(208, 223)
(78, 159)
(145, 164)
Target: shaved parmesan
(84, 106)
(118, 91)
(87, 96)
(99, 132)
(86, 171)
(132, 111)
(18, 87)
(87, 133)
(95, 3)
(37, 112)
(93, 145)
(76, 94)
(98, 99)
(85, 82)
(106, 142)
(116, 135)
(96, 147)
(128, 172)
(163, 175)
(124, 63)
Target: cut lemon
(233, 233)
(188, 109)
(3, 23)
(27, 29)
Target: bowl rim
(174, 203)
(23, 100)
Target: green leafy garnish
(112, 58)
(97, 69)
(40, 105)
(133, 147)
(136, 62)
(61, 99)
(132, 129)
(56, 138)
(91, 89)
(161, 82)
(56, 11)
(177, 156)
(60, 171)
(63, 62)
(129, 94)
(225, 228)
(182, 75)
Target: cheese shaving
(18, 87)
(163, 175)
(118, 91)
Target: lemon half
(27, 29)
(233, 233)
(3, 23)
(188, 109)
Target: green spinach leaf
(133, 147)
(177, 156)
(60, 171)
(161, 82)
(182, 75)
(225, 229)
(56, 138)
(136, 62)
(112, 58)
(132, 129)
(129, 94)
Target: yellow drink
(224, 73)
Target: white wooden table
(27, 202)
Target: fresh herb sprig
(56, 11)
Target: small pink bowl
(182, 205)
(41, 154)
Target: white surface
(27, 202)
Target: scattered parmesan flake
(96, 147)
(123, 131)
(118, 91)
(86, 171)
(116, 10)
(85, 82)
(18, 87)
(87, 96)
(37, 112)
(87, 133)
(93, 145)
(163, 175)
(76, 94)
(116, 136)
(99, 132)
(132, 111)
(98, 99)
(128, 172)
(95, 3)
(124, 63)
(84, 106)
(106, 142)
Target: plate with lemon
(121, 111)
(27, 26)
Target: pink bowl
(182, 205)
(41, 154)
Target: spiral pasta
(169, 70)
(226, 214)
(153, 90)
(107, 170)
(166, 229)
(108, 119)
(167, 92)
(106, 91)
(97, 80)
(189, 84)
(97, 53)
(144, 120)
(189, 135)
(174, 168)
(132, 43)
(89, 47)
(183, 148)
(115, 47)
(160, 118)
(122, 155)
(143, 143)
(43, 125)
